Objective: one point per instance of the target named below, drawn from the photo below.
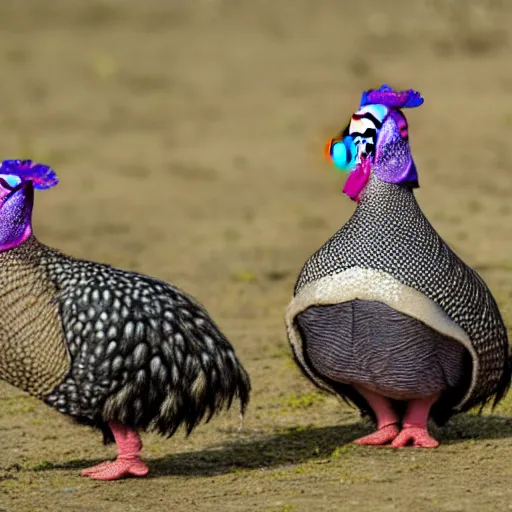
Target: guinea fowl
(385, 315)
(113, 349)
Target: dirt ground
(188, 137)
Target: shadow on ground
(299, 445)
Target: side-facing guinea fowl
(113, 349)
(385, 314)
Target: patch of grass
(302, 469)
(72, 464)
(10, 483)
(342, 450)
(244, 276)
(240, 471)
(43, 466)
(17, 405)
(296, 401)
(347, 477)
(504, 407)
(301, 429)
(280, 350)
(61, 482)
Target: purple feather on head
(392, 99)
(42, 176)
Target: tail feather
(191, 387)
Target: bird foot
(119, 468)
(382, 436)
(415, 436)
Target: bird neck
(12, 238)
(388, 198)
(16, 218)
(26, 254)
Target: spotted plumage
(117, 350)
(388, 255)
(378, 236)
(136, 349)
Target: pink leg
(387, 420)
(415, 425)
(128, 460)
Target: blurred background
(188, 137)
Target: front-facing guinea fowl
(113, 349)
(385, 315)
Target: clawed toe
(117, 469)
(415, 436)
(381, 437)
(95, 469)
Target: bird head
(376, 141)
(18, 179)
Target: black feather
(143, 352)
